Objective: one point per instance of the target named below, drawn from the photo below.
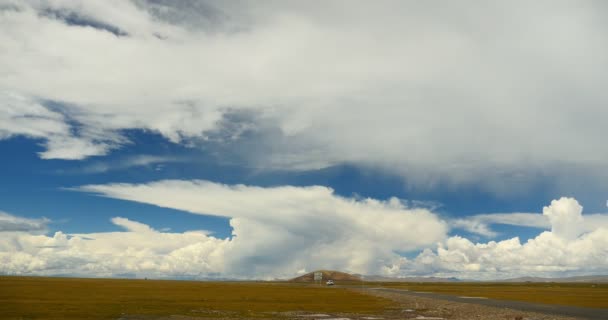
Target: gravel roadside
(416, 307)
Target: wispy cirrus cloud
(143, 160)
(12, 223)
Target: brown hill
(327, 275)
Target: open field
(72, 298)
(69, 298)
(570, 294)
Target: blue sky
(221, 139)
(49, 181)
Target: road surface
(578, 312)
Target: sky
(263, 140)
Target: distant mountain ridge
(582, 279)
(409, 279)
(343, 276)
(327, 275)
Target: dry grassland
(69, 298)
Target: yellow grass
(570, 294)
(69, 298)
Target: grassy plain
(71, 298)
(569, 294)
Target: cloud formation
(280, 231)
(276, 232)
(20, 115)
(566, 249)
(142, 160)
(481, 224)
(434, 94)
(11, 223)
(291, 228)
(138, 251)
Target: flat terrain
(587, 295)
(499, 306)
(69, 298)
(427, 307)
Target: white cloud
(142, 160)
(277, 232)
(140, 251)
(567, 249)
(133, 226)
(282, 228)
(481, 224)
(11, 223)
(425, 92)
(565, 216)
(20, 115)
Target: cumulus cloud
(565, 216)
(138, 251)
(276, 231)
(426, 92)
(567, 249)
(279, 232)
(481, 224)
(290, 228)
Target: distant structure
(335, 276)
